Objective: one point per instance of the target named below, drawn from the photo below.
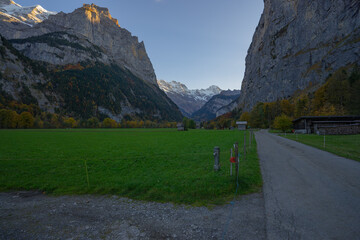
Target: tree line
(17, 115)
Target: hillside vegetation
(51, 94)
(339, 95)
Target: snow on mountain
(188, 100)
(179, 88)
(13, 12)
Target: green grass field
(343, 145)
(157, 165)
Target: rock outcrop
(297, 43)
(19, 75)
(61, 48)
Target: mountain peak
(188, 100)
(27, 15)
(95, 13)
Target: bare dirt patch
(33, 215)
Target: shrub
(283, 123)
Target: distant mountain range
(83, 65)
(187, 100)
(15, 13)
(209, 110)
(200, 104)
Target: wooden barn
(329, 125)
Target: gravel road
(309, 193)
(32, 215)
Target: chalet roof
(355, 121)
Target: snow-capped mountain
(12, 12)
(188, 100)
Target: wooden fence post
(237, 160)
(216, 158)
(244, 144)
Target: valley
(94, 144)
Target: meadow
(161, 165)
(347, 146)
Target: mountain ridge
(188, 100)
(94, 24)
(88, 66)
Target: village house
(180, 127)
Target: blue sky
(196, 42)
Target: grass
(155, 165)
(279, 131)
(342, 145)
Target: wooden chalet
(329, 125)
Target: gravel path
(32, 215)
(309, 193)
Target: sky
(195, 42)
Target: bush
(109, 123)
(283, 123)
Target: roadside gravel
(33, 215)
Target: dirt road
(309, 193)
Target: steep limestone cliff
(81, 64)
(94, 24)
(19, 75)
(81, 91)
(61, 48)
(298, 42)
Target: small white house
(241, 125)
(180, 127)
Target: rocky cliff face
(19, 75)
(61, 48)
(81, 64)
(297, 43)
(188, 100)
(88, 23)
(80, 90)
